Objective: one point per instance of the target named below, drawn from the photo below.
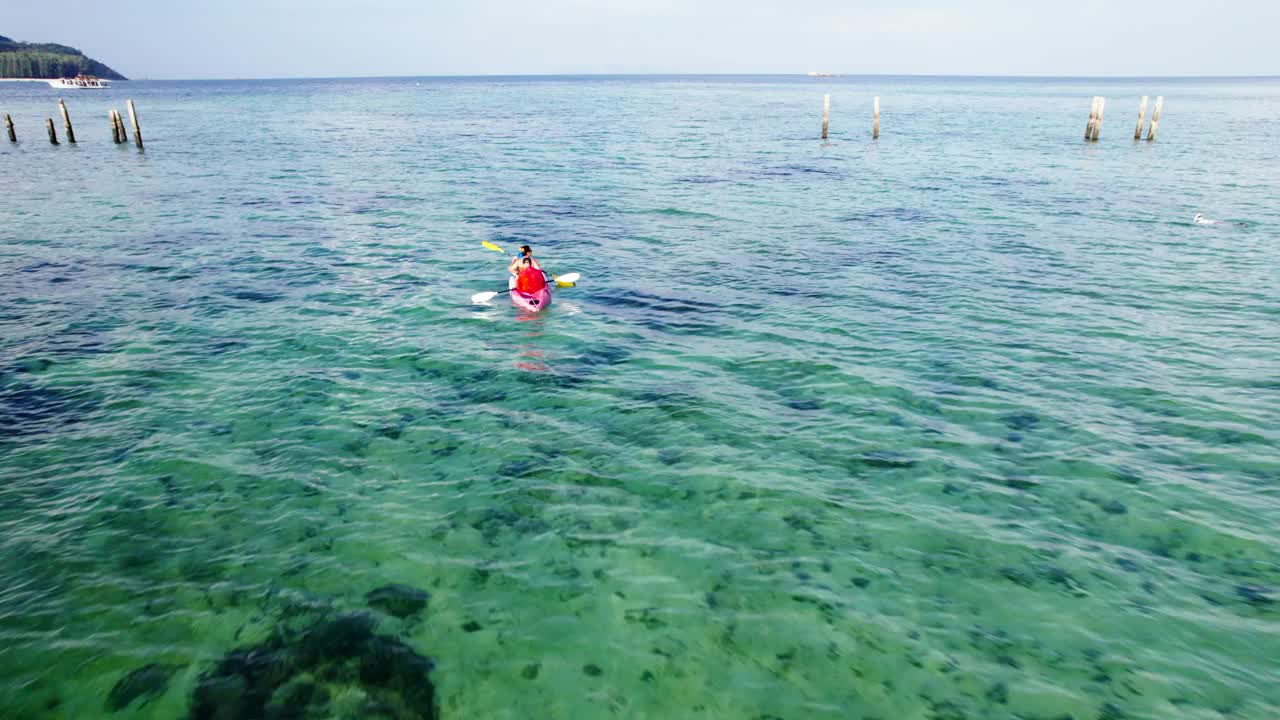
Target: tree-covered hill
(48, 60)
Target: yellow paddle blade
(491, 246)
(562, 283)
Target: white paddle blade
(568, 277)
(484, 297)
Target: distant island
(48, 61)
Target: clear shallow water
(970, 422)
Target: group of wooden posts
(875, 116)
(1094, 127)
(1090, 132)
(118, 133)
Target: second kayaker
(530, 279)
(517, 262)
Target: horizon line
(832, 76)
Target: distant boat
(820, 74)
(80, 82)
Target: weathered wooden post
(66, 122)
(1097, 125)
(1142, 112)
(53, 134)
(875, 123)
(115, 129)
(137, 131)
(124, 137)
(1093, 118)
(826, 114)
(8, 124)
(1155, 118)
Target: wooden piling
(1155, 118)
(1093, 118)
(8, 124)
(875, 122)
(137, 131)
(115, 129)
(53, 134)
(66, 122)
(826, 114)
(1097, 125)
(1142, 112)
(124, 136)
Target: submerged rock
(1114, 507)
(1022, 421)
(883, 459)
(298, 675)
(398, 600)
(148, 682)
(670, 456)
(1255, 594)
(804, 404)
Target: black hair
(527, 261)
(526, 250)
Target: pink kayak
(532, 303)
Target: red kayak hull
(533, 303)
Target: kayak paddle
(483, 297)
(562, 280)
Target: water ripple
(964, 428)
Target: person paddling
(517, 262)
(530, 279)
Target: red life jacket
(530, 281)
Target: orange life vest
(530, 281)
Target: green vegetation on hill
(48, 60)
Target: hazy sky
(320, 38)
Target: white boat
(80, 82)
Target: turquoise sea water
(971, 421)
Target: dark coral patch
(27, 409)
(398, 600)
(147, 682)
(296, 674)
